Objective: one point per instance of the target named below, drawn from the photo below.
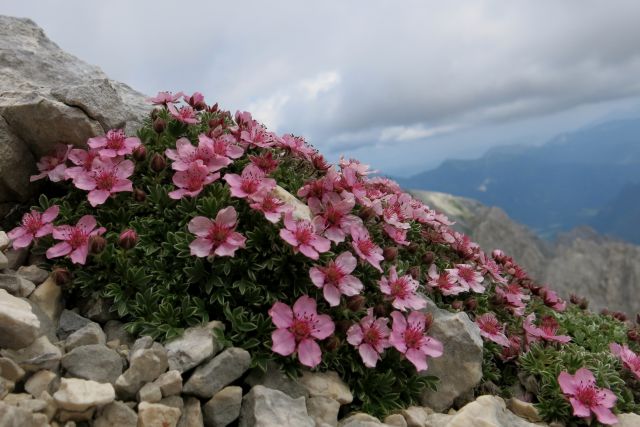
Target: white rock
(4, 261)
(48, 296)
(222, 370)
(40, 354)
(193, 347)
(10, 370)
(33, 273)
(147, 361)
(191, 414)
(323, 410)
(416, 416)
(628, 420)
(224, 407)
(91, 333)
(79, 395)
(41, 381)
(19, 327)
(4, 240)
(170, 383)
(487, 411)
(150, 392)
(395, 420)
(156, 415)
(300, 210)
(327, 384)
(12, 416)
(116, 414)
(263, 407)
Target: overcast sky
(401, 85)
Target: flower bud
(415, 272)
(215, 122)
(620, 316)
(457, 305)
(196, 101)
(584, 304)
(390, 253)
(140, 153)
(158, 163)
(213, 108)
(380, 310)
(471, 304)
(128, 239)
(319, 162)
(332, 343)
(428, 321)
(413, 248)
(97, 244)
(367, 213)
(154, 113)
(511, 271)
(342, 326)
(428, 257)
(633, 335)
(61, 276)
(356, 302)
(574, 299)
(139, 195)
(159, 125)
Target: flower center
(333, 216)
(365, 246)
(466, 274)
(333, 274)
(32, 222)
(218, 233)
(489, 325)
(372, 336)
(78, 237)
(587, 394)
(400, 288)
(250, 185)
(105, 180)
(115, 139)
(412, 337)
(303, 234)
(301, 329)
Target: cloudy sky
(401, 85)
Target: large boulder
(48, 96)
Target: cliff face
(48, 96)
(583, 262)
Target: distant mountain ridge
(581, 261)
(575, 179)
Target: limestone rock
(263, 407)
(489, 411)
(524, 410)
(14, 186)
(155, 414)
(15, 398)
(169, 383)
(33, 405)
(628, 420)
(6, 387)
(4, 239)
(89, 334)
(12, 416)
(79, 395)
(360, 420)
(16, 257)
(10, 370)
(70, 322)
(4, 261)
(33, 273)
(223, 408)
(196, 345)
(300, 210)
(147, 361)
(98, 309)
(416, 416)
(116, 414)
(191, 414)
(219, 372)
(48, 297)
(40, 382)
(276, 379)
(66, 416)
(93, 362)
(114, 330)
(460, 368)
(323, 410)
(19, 327)
(40, 354)
(396, 420)
(16, 285)
(149, 392)
(327, 384)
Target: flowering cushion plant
(207, 215)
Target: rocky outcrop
(48, 96)
(583, 262)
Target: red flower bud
(97, 244)
(159, 125)
(367, 213)
(319, 162)
(158, 163)
(140, 153)
(154, 113)
(428, 257)
(128, 239)
(390, 253)
(633, 335)
(415, 272)
(413, 248)
(332, 343)
(457, 305)
(139, 195)
(380, 310)
(428, 321)
(61, 276)
(471, 304)
(356, 302)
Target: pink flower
(546, 331)
(114, 144)
(165, 98)
(83, 160)
(298, 329)
(371, 337)
(216, 237)
(34, 225)
(491, 329)
(488, 265)
(398, 235)
(586, 397)
(551, 299)
(271, 206)
(444, 282)
(250, 183)
(402, 291)
(408, 337)
(467, 276)
(265, 162)
(365, 247)
(54, 165)
(398, 211)
(185, 154)
(192, 181)
(629, 359)
(303, 237)
(514, 297)
(257, 136)
(296, 145)
(333, 215)
(335, 278)
(225, 145)
(186, 114)
(104, 179)
(75, 239)
(196, 101)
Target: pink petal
(79, 256)
(227, 216)
(200, 226)
(604, 415)
(61, 249)
(355, 335)
(350, 285)
(432, 347)
(289, 237)
(317, 276)
(201, 247)
(398, 342)
(567, 383)
(585, 376)
(17, 232)
(22, 241)
(309, 251)
(232, 179)
(284, 343)
(346, 262)
(97, 142)
(418, 358)
(281, 315)
(579, 408)
(305, 305)
(87, 222)
(309, 353)
(84, 182)
(62, 232)
(51, 213)
(331, 294)
(335, 234)
(369, 355)
(607, 398)
(45, 230)
(98, 197)
(320, 244)
(324, 327)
